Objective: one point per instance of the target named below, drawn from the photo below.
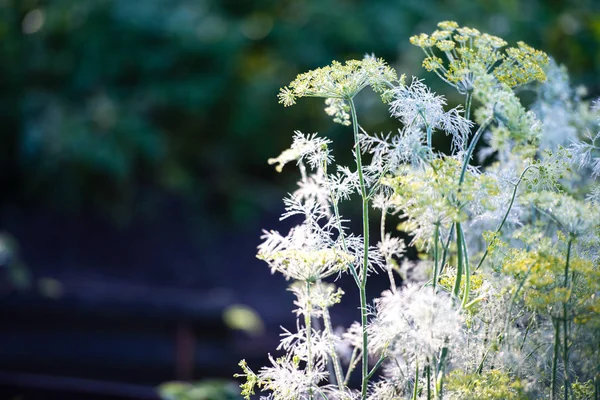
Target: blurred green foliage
(110, 104)
(204, 390)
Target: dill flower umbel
(469, 53)
(300, 255)
(340, 81)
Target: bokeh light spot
(33, 21)
(257, 26)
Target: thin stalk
(597, 380)
(336, 211)
(435, 256)
(468, 104)
(566, 325)
(462, 254)
(308, 326)
(388, 264)
(439, 383)
(363, 283)
(527, 332)
(416, 385)
(459, 262)
(471, 148)
(317, 325)
(446, 248)
(459, 231)
(351, 365)
(428, 372)
(514, 297)
(482, 362)
(377, 365)
(512, 200)
(335, 360)
(429, 131)
(555, 359)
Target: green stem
(428, 130)
(459, 262)
(377, 365)
(337, 366)
(566, 324)
(461, 247)
(461, 233)
(513, 299)
(351, 365)
(416, 385)
(471, 148)
(554, 360)
(428, 371)
(446, 248)
(435, 256)
(388, 261)
(529, 325)
(468, 104)
(439, 384)
(308, 326)
(363, 282)
(512, 200)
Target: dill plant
(504, 299)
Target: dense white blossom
(416, 105)
(310, 147)
(415, 322)
(287, 381)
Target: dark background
(134, 184)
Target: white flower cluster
(415, 105)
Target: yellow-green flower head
(447, 25)
(469, 53)
(461, 38)
(441, 35)
(469, 32)
(339, 81)
(432, 63)
(489, 40)
(523, 64)
(445, 45)
(423, 40)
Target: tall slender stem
(471, 148)
(466, 265)
(308, 326)
(351, 365)
(388, 263)
(428, 370)
(566, 324)
(435, 256)
(555, 359)
(468, 104)
(363, 281)
(446, 248)
(512, 200)
(335, 360)
(416, 385)
(461, 247)
(439, 382)
(459, 262)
